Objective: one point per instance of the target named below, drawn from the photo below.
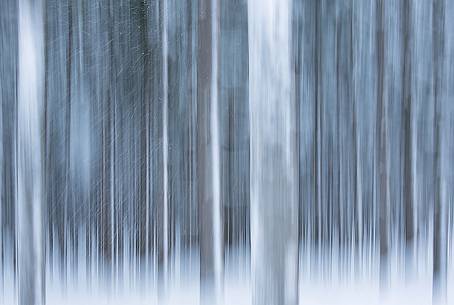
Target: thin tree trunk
(160, 186)
(407, 114)
(439, 222)
(382, 164)
(208, 172)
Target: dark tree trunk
(439, 212)
(382, 152)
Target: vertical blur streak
(30, 95)
(274, 197)
(210, 231)
(165, 143)
(382, 153)
(214, 126)
(441, 146)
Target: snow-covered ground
(184, 289)
(238, 293)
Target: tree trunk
(407, 118)
(440, 212)
(382, 164)
(273, 156)
(208, 165)
(160, 125)
(30, 98)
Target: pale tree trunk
(30, 97)
(273, 155)
(159, 150)
(159, 142)
(208, 165)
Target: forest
(265, 152)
